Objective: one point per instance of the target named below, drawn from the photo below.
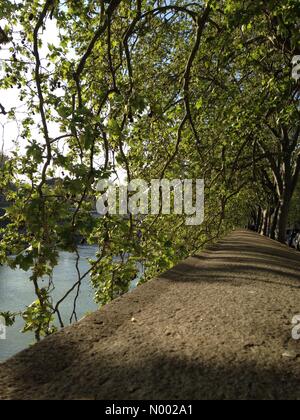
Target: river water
(16, 292)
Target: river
(16, 292)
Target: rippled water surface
(16, 292)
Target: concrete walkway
(217, 326)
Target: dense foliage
(172, 89)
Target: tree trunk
(259, 220)
(283, 216)
(264, 228)
(274, 223)
(270, 218)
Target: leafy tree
(155, 89)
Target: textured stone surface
(217, 326)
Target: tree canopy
(155, 89)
